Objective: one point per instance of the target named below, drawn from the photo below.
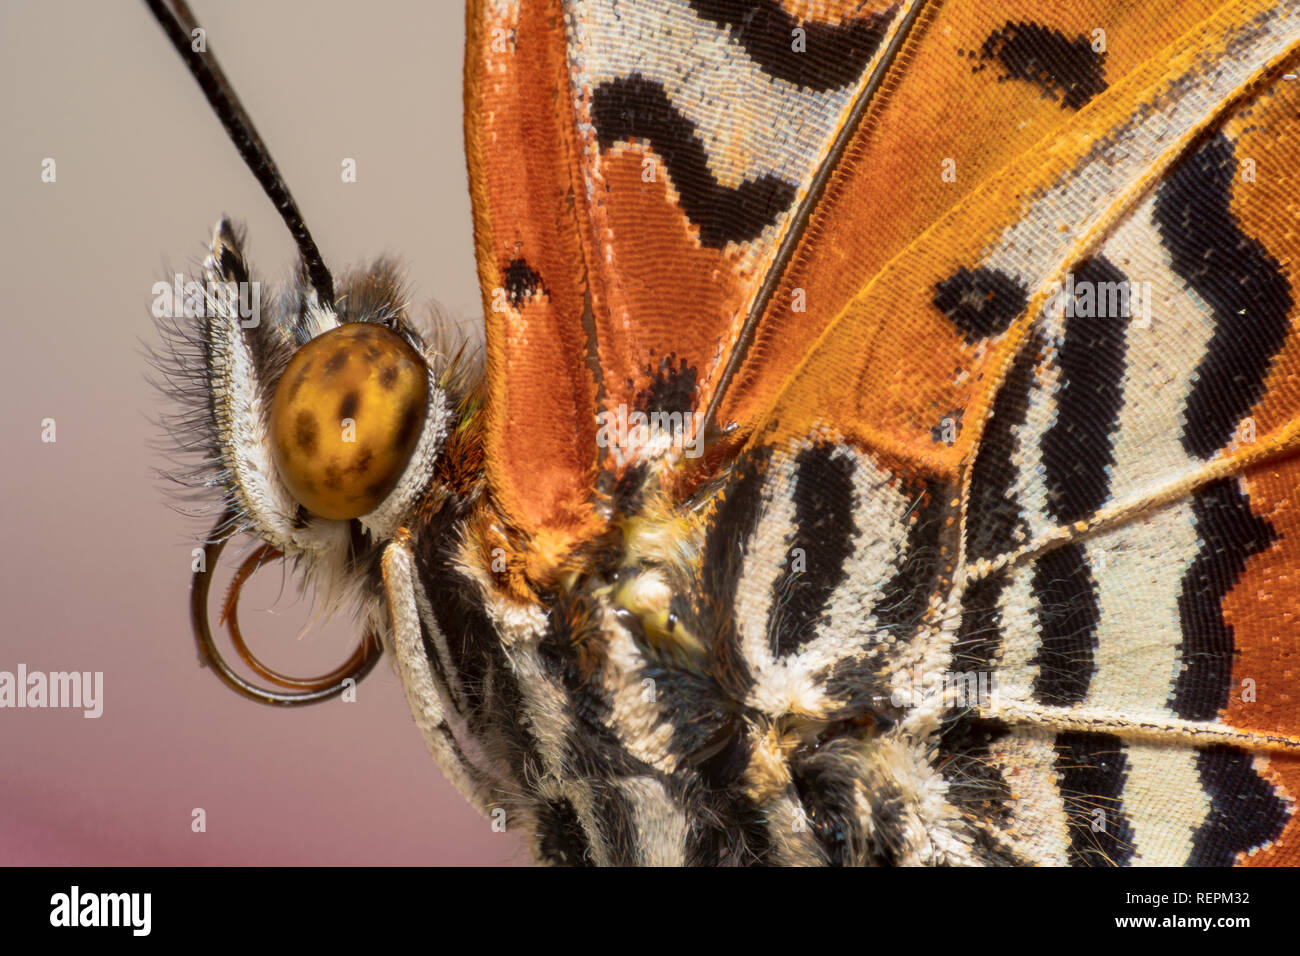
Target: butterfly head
(321, 426)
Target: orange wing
(1128, 563)
(633, 167)
(986, 120)
(522, 149)
(1127, 558)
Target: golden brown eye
(346, 417)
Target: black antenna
(802, 216)
(179, 24)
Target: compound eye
(346, 417)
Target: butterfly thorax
(612, 708)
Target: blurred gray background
(94, 565)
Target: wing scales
(1176, 616)
(1125, 553)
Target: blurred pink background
(95, 566)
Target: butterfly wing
(1131, 529)
(633, 166)
(1124, 566)
(965, 472)
(521, 145)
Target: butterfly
(883, 448)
